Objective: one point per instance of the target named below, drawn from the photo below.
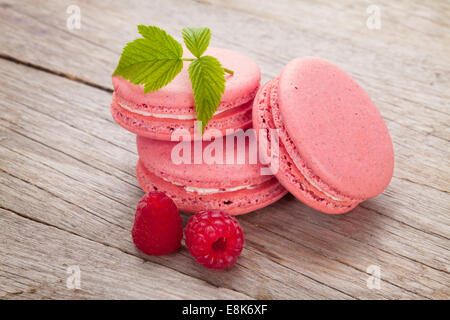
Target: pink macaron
(157, 114)
(334, 148)
(234, 184)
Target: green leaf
(208, 83)
(196, 40)
(154, 60)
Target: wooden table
(67, 182)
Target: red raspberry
(214, 238)
(157, 225)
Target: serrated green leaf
(154, 60)
(196, 40)
(208, 83)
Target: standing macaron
(157, 114)
(334, 148)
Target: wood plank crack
(54, 72)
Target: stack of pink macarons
(332, 150)
(198, 182)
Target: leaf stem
(228, 71)
(224, 69)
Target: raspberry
(157, 225)
(214, 238)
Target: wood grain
(67, 170)
(30, 268)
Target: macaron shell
(287, 173)
(336, 128)
(177, 97)
(162, 129)
(234, 203)
(156, 156)
(294, 156)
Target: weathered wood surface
(68, 189)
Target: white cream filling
(211, 190)
(217, 190)
(313, 184)
(164, 115)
